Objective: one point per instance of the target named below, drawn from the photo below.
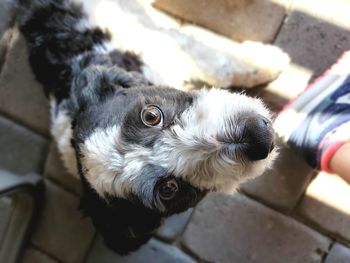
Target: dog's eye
(151, 116)
(168, 189)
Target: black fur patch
(53, 41)
(186, 197)
(125, 224)
(123, 106)
(126, 60)
(171, 103)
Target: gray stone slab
(257, 20)
(174, 225)
(154, 251)
(313, 35)
(22, 151)
(32, 255)
(6, 209)
(326, 206)
(21, 97)
(61, 230)
(236, 229)
(338, 254)
(55, 170)
(6, 14)
(282, 186)
(316, 33)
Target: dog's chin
(124, 224)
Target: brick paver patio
(290, 214)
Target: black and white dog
(143, 151)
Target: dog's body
(142, 150)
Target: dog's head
(145, 152)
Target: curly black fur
(125, 224)
(53, 42)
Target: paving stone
(174, 225)
(21, 97)
(237, 229)
(314, 40)
(154, 251)
(283, 185)
(61, 230)
(55, 170)
(326, 205)
(6, 208)
(257, 20)
(32, 255)
(22, 151)
(338, 254)
(6, 14)
(315, 33)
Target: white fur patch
(105, 166)
(104, 48)
(82, 25)
(61, 130)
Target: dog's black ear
(124, 79)
(124, 224)
(96, 82)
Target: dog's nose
(258, 138)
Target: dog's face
(156, 150)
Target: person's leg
(340, 162)
(317, 123)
